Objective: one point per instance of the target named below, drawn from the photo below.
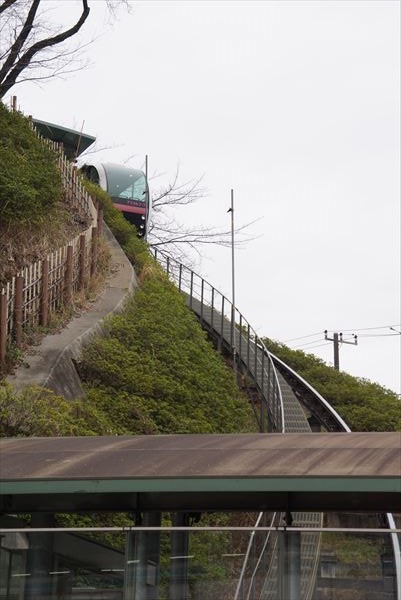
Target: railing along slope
(279, 410)
(332, 421)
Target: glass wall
(196, 563)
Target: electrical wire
(378, 334)
(346, 331)
(317, 346)
(370, 328)
(308, 343)
(302, 337)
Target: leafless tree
(31, 48)
(166, 233)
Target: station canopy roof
(74, 142)
(203, 472)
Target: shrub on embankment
(363, 404)
(36, 411)
(35, 217)
(154, 371)
(134, 247)
(30, 183)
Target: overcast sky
(294, 105)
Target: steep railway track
(285, 400)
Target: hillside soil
(24, 244)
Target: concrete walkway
(52, 363)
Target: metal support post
(289, 565)
(142, 560)
(179, 559)
(40, 560)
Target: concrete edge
(52, 364)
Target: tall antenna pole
(231, 209)
(145, 237)
(232, 251)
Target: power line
(378, 335)
(310, 347)
(370, 328)
(305, 344)
(345, 331)
(342, 339)
(302, 337)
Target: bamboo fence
(40, 289)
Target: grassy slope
(153, 372)
(364, 405)
(33, 216)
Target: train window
(128, 185)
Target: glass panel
(126, 184)
(194, 564)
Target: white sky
(295, 105)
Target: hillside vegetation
(153, 371)
(34, 219)
(364, 405)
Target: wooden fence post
(44, 294)
(68, 274)
(100, 218)
(18, 309)
(94, 250)
(3, 326)
(82, 261)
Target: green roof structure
(74, 142)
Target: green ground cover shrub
(30, 183)
(156, 372)
(363, 404)
(37, 411)
(134, 247)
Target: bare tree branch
(19, 41)
(177, 239)
(13, 66)
(6, 4)
(29, 43)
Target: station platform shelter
(132, 517)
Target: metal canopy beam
(203, 502)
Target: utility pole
(147, 200)
(337, 339)
(231, 210)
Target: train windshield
(124, 183)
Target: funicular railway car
(128, 189)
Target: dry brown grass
(23, 244)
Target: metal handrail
(241, 329)
(247, 555)
(243, 340)
(344, 427)
(222, 314)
